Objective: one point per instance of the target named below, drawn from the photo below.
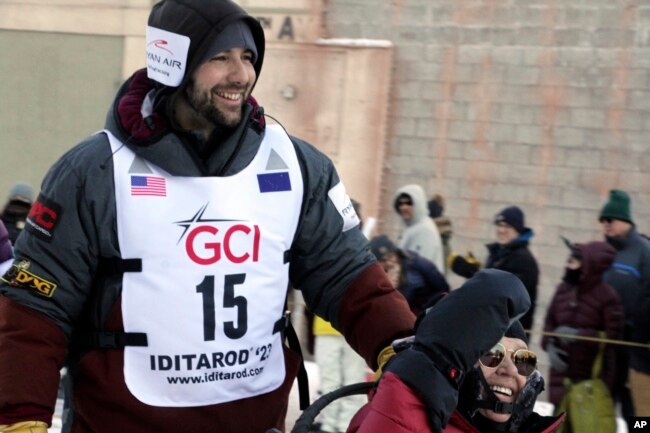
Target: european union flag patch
(274, 182)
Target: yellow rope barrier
(594, 339)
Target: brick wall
(543, 104)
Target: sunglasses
(524, 359)
(606, 220)
(405, 202)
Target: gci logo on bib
(208, 240)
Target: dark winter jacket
(13, 216)
(517, 259)
(395, 408)
(6, 252)
(590, 307)
(630, 276)
(71, 252)
(421, 282)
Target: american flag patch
(148, 185)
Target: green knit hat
(617, 207)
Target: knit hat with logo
(617, 206)
(182, 34)
(512, 216)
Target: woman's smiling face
(504, 380)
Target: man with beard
(156, 259)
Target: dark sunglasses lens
(404, 202)
(606, 220)
(493, 358)
(525, 361)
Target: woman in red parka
(583, 305)
(498, 395)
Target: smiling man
(156, 261)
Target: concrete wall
(50, 98)
(543, 104)
(62, 62)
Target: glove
(453, 334)
(558, 357)
(463, 266)
(384, 356)
(567, 330)
(25, 427)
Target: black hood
(201, 21)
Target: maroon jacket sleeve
(394, 408)
(373, 314)
(32, 356)
(614, 317)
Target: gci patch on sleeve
(43, 218)
(343, 204)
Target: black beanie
(236, 35)
(617, 207)
(180, 33)
(512, 216)
(435, 208)
(516, 330)
(381, 247)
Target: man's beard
(203, 104)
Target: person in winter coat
(630, 276)
(156, 259)
(15, 211)
(420, 234)
(413, 276)
(6, 250)
(498, 393)
(509, 253)
(583, 305)
(445, 227)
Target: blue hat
(512, 216)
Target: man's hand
(453, 334)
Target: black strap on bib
(284, 325)
(118, 265)
(112, 340)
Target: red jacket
(395, 408)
